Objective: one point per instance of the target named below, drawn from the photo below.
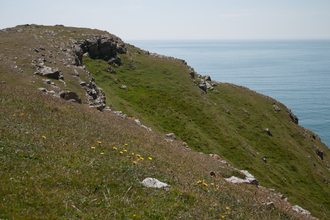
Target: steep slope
(168, 96)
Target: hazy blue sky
(178, 19)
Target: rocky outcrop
(100, 47)
(293, 117)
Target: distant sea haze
(294, 72)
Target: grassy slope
(58, 161)
(162, 95)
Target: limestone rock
(50, 72)
(249, 178)
(152, 182)
(300, 210)
(171, 135)
(123, 87)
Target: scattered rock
(192, 74)
(319, 153)
(207, 78)
(171, 135)
(50, 72)
(268, 132)
(43, 89)
(152, 182)
(123, 87)
(47, 81)
(270, 205)
(3, 82)
(203, 87)
(264, 160)
(301, 210)
(246, 111)
(212, 173)
(70, 95)
(115, 60)
(249, 178)
(276, 108)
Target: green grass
(62, 160)
(63, 177)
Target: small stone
(268, 132)
(43, 89)
(171, 135)
(152, 182)
(212, 173)
(123, 87)
(3, 82)
(270, 205)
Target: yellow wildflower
(120, 152)
(43, 137)
(133, 154)
(134, 162)
(227, 208)
(212, 184)
(228, 213)
(222, 216)
(199, 181)
(125, 150)
(134, 215)
(114, 148)
(141, 158)
(126, 144)
(205, 184)
(137, 155)
(149, 158)
(93, 147)
(99, 142)
(102, 153)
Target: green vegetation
(64, 175)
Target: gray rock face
(152, 182)
(293, 117)
(100, 46)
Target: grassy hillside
(64, 172)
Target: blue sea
(294, 72)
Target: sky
(178, 19)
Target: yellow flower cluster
(135, 157)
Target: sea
(294, 72)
